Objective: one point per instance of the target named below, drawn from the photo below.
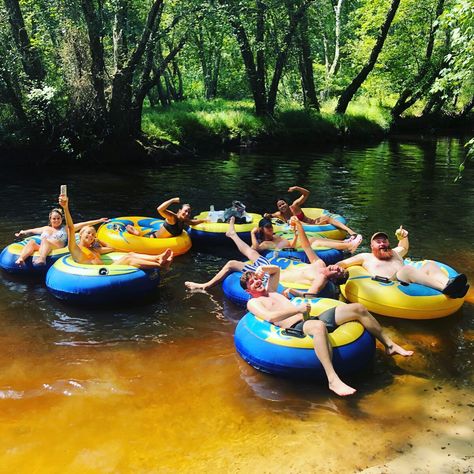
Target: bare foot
(340, 388)
(19, 261)
(396, 349)
(165, 259)
(190, 285)
(231, 232)
(354, 243)
(39, 261)
(131, 230)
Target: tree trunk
(283, 54)
(30, 57)
(354, 86)
(337, 34)
(121, 121)
(12, 96)
(408, 96)
(94, 29)
(306, 66)
(257, 86)
(467, 108)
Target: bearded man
(388, 263)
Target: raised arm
(80, 225)
(273, 271)
(76, 252)
(304, 195)
(163, 209)
(403, 244)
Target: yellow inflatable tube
(411, 301)
(114, 234)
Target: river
(158, 386)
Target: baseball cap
(265, 222)
(379, 234)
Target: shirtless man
(285, 211)
(269, 305)
(316, 274)
(388, 263)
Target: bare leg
(28, 250)
(131, 230)
(146, 262)
(340, 225)
(429, 275)
(336, 244)
(244, 248)
(45, 249)
(310, 253)
(229, 267)
(323, 350)
(358, 312)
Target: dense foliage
(74, 74)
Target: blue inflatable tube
(327, 255)
(99, 284)
(270, 349)
(235, 293)
(11, 253)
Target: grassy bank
(198, 124)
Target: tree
(354, 86)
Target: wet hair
(341, 279)
(244, 279)
(281, 199)
(186, 205)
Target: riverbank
(197, 127)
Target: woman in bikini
(263, 238)
(286, 211)
(174, 223)
(53, 236)
(89, 250)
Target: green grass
(208, 124)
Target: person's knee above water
(53, 236)
(387, 262)
(89, 250)
(175, 222)
(316, 275)
(273, 307)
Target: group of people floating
(260, 278)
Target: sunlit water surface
(158, 386)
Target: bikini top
(176, 228)
(60, 235)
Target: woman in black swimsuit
(175, 223)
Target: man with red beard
(388, 263)
(273, 307)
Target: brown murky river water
(158, 387)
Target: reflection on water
(131, 388)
